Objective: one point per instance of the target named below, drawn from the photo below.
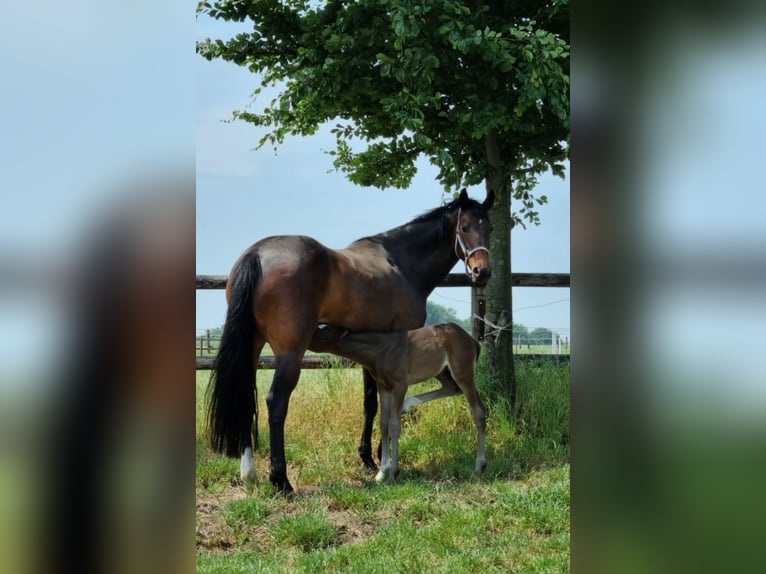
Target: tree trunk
(498, 334)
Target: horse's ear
(490, 200)
(463, 195)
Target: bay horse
(398, 359)
(282, 287)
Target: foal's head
(327, 337)
(469, 221)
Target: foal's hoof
(386, 476)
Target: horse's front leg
(288, 369)
(370, 410)
(385, 419)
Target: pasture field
(435, 518)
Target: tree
(436, 313)
(520, 334)
(480, 88)
(541, 336)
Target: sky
(244, 195)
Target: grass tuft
(308, 532)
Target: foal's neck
(366, 347)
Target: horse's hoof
(279, 480)
(368, 461)
(247, 468)
(380, 477)
(283, 487)
(365, 453)
(247, 475)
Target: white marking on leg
(247, 466)
(411, 403)
(385, 453)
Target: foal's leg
(465, 379)
(448, 389)
(288, 369)
(395, 425)
(370, 410)
(385, 419)
(250, 434)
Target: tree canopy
(404, 78)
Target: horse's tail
(232, 392)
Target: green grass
(437, 517)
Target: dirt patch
(351, 529)
(213, 533)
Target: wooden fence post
(478, 308)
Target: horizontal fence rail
(207, 282)
(269, 362)
(451, 280)
(333, 362)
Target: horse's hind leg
(448, 389)
(250, 434)
(286, 374)
(370, 410)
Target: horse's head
(470, 221)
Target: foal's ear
(490, 200)
(463, 195)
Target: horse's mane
(435, 216)
(438, 212)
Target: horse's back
(279, 251)
(368, 292)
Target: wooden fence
(451, 280)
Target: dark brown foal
(397, 359)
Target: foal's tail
(232, 393)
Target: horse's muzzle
(480, 274)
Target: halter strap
(461, 242)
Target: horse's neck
(421, 255)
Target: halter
(461, 242)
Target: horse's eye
(464, 229)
